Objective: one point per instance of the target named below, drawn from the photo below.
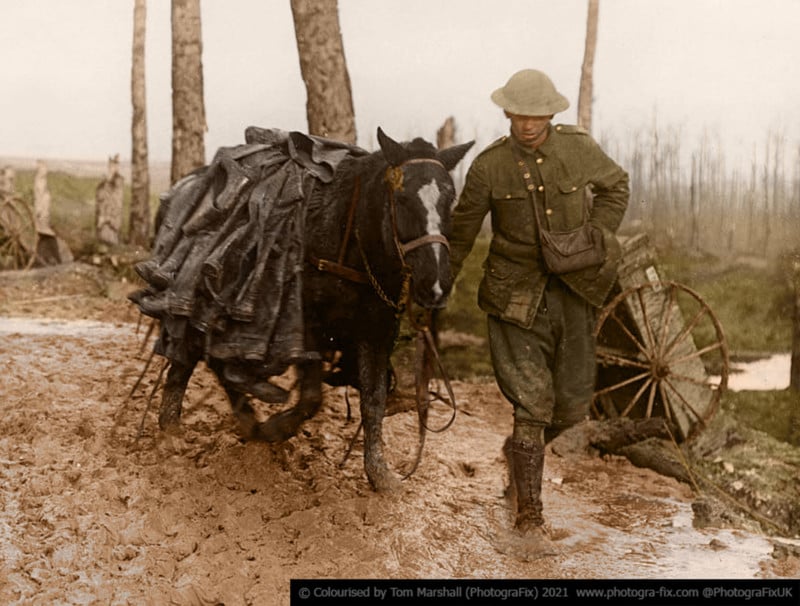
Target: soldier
(540, 325)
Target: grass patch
(470, 360)
(72, 209)
(751, 304)
(774, 412)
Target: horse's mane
(368, 168)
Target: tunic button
(541, 188)
(539, 160)
(558, 128)
(549, 211)
(527, 175)
(520, 163)
(574, 188)
(530, 187)
(508, 196)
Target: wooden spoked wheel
(661, 351)
(18, 234)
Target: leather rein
(427, 355)
(394, 178)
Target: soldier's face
(530, 131)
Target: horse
(369, 241)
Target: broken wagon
(661, 350)
(18, 232)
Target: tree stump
(108, 205)
(42, 199)
(7, 180)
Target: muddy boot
(526, 461)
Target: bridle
(428, 361)
(394, 177)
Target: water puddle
(771, 373)
(66, 328)
(669, 547)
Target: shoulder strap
(529, 185)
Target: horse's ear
(450, 156)
(394, 153)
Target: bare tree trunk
(446, 135)
(139, 218)
(329, 106)
(694, 234)
(767, 222)
(587, 70)
(794, 373)
(188, 108)
(751, 207)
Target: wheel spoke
(609, 356)
(696, 354)
(692, 380)
(645, 320)
(635, 398)
(686, 331)
(639, 345)
(650, 399)
(665, 402)
(665, 319)
(621, 384)
(684, 401)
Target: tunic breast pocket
(571, 203)
(512, 214)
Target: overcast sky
(726, 67)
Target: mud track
(98, 506)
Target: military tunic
(562, 167)
(516, 285)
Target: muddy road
(98, 506)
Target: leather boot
(526, 468)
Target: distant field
(159, 171)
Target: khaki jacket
(563, 167)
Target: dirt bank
(99, 506)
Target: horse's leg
(240, 401)
(373, 364)
(283, 425)
(169, 414)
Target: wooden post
(108, 209)
(42, 199)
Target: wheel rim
(661, 351)
(18, 235)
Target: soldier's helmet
(530, 92)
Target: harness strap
(426, 239)
(395, 180)
(338, 268)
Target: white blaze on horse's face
(429, 195)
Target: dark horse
(334, 276)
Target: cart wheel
(661, 351)
(18, 235)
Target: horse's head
(422, 195)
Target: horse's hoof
(279, 427)
(169, 419)
(384, 481)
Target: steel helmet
(530, 92)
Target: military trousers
(547, 372)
